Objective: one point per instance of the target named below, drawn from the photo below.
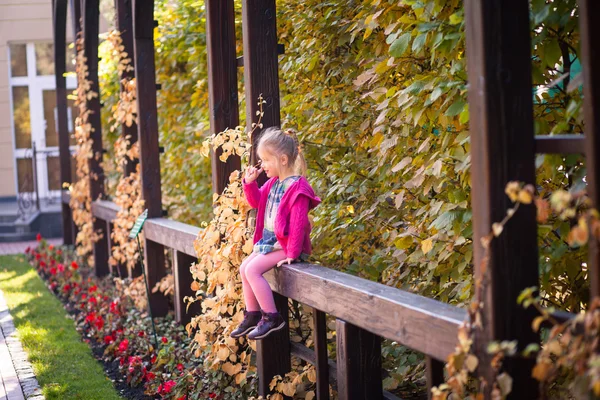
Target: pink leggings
(257, 292)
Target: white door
(34, 121)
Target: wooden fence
(503, 148)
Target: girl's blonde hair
(285, 142)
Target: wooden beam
(261, 78)
(273, 352)
(172, 234)
(358, 363)
(60, 67)
(589, 12)
(125, 27)
(101, 254)
(321, 358)
(90, 29)
(502, 150)
(222, 83)
(560, 144)
(259, 28)
(145, 74)
(183, 279)
(409, 315)
(434, 371)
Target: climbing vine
(128, 196)
(81, 202)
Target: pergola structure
(503, 148)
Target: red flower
(123, 345)
(27, 250)
(121, 361)
(83, 296)
(52, 270)
(61, 268)
(38, 237)
(59, 252)
(93, 288)
(93, 300)
(164, 339)
(212, 395)
(108, 339)
(168, 386)
(153, 359)
(180, 367)
(51, 247)
(38, 256)
(184, 397)
(66, 288)
(150, 376)
(90, 317)
(141, 333)
(99, 322)
(53, 285)
(74, 265)
(42, 264)
(114, 308)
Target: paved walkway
(17, 380)
(19, 247)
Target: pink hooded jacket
(292, 227)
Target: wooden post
(434, 370)
(502, 150)
(145, 75)
(60, 67)
(125, 27)
(322, 361)
(260, 65)
(358, 363)
(75, 6)
(589, 11)
(91, 21)
(183, 279)
(273, 352)
(222, 83)
(261, 77)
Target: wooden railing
(365, 311)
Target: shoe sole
(243, 333)
(280, 327)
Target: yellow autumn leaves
(81, 202)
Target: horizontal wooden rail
(560, 144)
(106, 210)
(352, 299)
(363, 303)
(173, 234)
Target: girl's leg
(249, 298)
(254, 271)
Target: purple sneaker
(251, 319)
(270, 322)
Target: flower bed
(120, 335)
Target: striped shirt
(269, 243)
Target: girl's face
(270, 163)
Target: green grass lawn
(63, 364)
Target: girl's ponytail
(300, 162)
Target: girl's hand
(288, 260)
(252, 173)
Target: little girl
(282, 226)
